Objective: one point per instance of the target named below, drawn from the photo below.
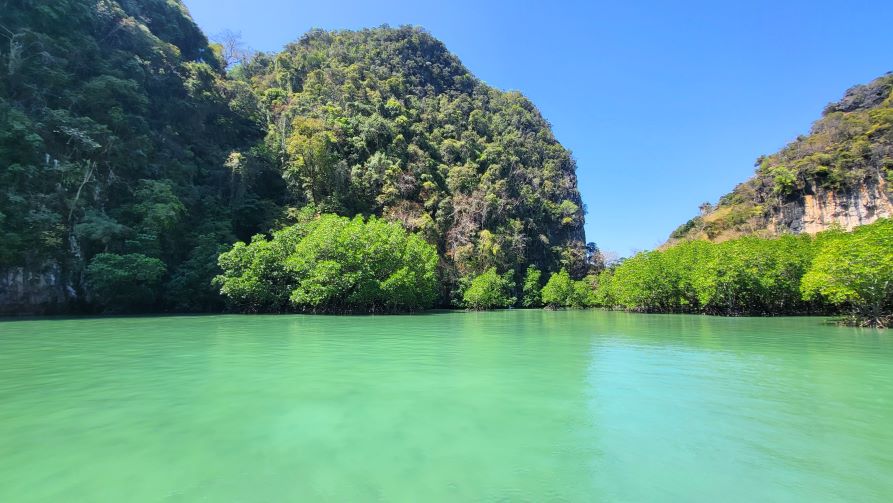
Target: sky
(665, 105)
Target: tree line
(833, 272)
(335, 264)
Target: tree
(645, 283)
(122, 130)
(558, 290)
(583, 292)
(856, 270)
(125, 282)
(232, 51)
(603, 290)
(532, 289)
(332, 264)
(753, 276)
(595, 259)
(115, 123)
(744, 276)
(311, 165)
(489, 290)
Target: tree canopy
(332, 264)
(386, 121)
(835, 271)
(856, 270)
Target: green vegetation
(531, 293)
(125, 282)
(116, 121)
(856, 271)
(134, 153)
(490, 290)
(562, 291)
(834, 271)
(388, 122)
(124, 131)
(331, 264)
(559, 290)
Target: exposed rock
(821, 209)
(43, 290)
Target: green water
(509, 406)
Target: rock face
(42, 290)
(838, 175)
(821, 209)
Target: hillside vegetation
(388, 122)
(115, 124)
(838, 174)
(133, 152)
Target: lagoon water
(509, 406)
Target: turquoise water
(509, 406)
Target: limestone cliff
(819, 209)
(40, 290)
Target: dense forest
(133, 152)
(839, 174)
(387, 122)
(116, 122)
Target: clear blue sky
(664, 104)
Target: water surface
(514, 405)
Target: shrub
(489, 290)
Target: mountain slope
(838, 174)
(129, 158)
(386, 121)
(115, 123)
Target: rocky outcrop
(40, 290)
(820, 209)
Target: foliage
(558, 290)
(583, 294)
(490, 290)
(188, 289)
(743, 276)
(562, 291)
(532, 288)
(122, 132)
(331, 264)
(856, 270)
(754, 276)
(125, 282)
(386, 121)
(641, 284)
(603, 289)
(116, 121)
